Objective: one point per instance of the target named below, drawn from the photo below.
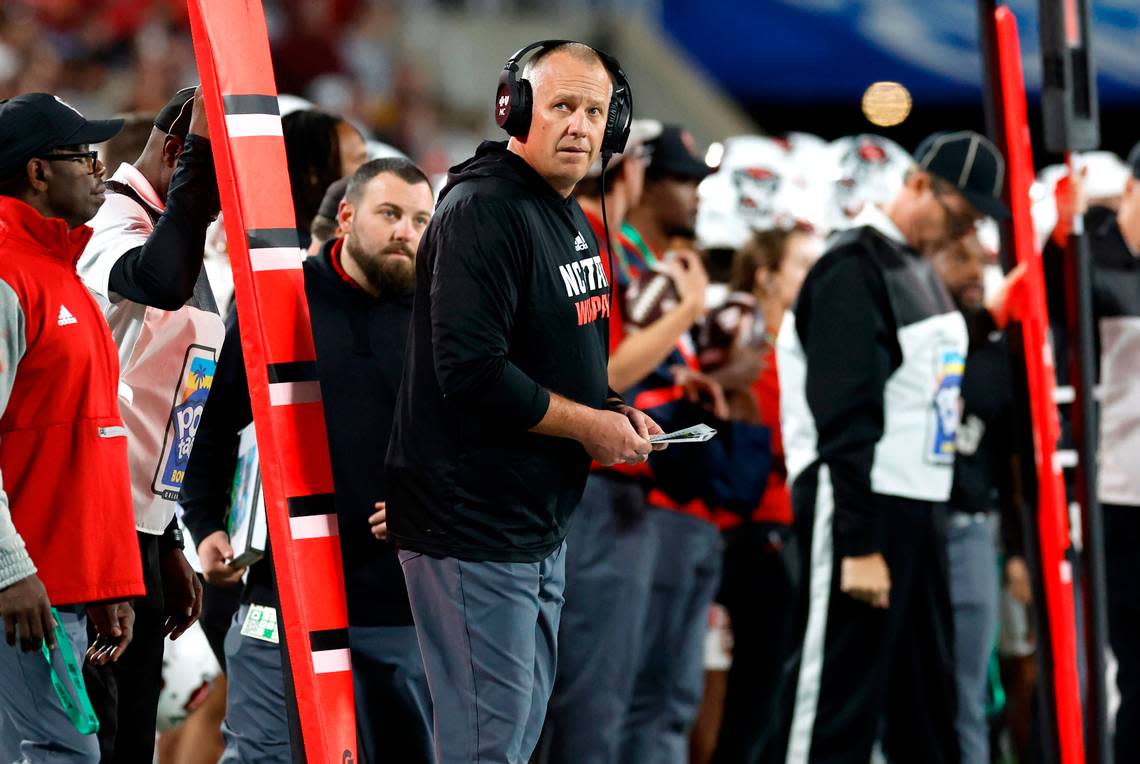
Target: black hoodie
(360, 350)
(511, 302)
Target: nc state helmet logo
(866, 172)
(755, 189)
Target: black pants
(219, 603)
(857, 673)
(1122, 573)
(125, 694)
(761, 580)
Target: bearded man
(359, 291)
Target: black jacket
(994, 408)
(512, 301)
(870, 372)
(360, 352)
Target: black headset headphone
(514, 100)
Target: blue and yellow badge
(189, 399)
(947, 404)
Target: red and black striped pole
(1008, 122)
(232, 50)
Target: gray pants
(670, 682)
(610, 556)
(488, 632)
(256, 728)
(974, 596)
(33, 725)
(393, 709)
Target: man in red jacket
(66, 525)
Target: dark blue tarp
(830, 50)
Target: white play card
(696, 434)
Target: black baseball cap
(35, 123)
(1134, 161)
(331, 201)
(969, 162)
(174, 119)
(674, 153)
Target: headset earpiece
(514, 100)
(620, 115)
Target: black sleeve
(851, 348)
(1053, 267)
(478, 273)
(979, 326)
(1014, 457)
(205, 496)
(162, 272)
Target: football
(650, 296)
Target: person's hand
(701, 387)
(379, 520)
(198, 124)
(611, 437)
(1008, 302)
(114, 626)
(182, 592)
(26, 611)
(743, 368)
(1017, 580)
(1072, 200)
(689, 277)
(213, 552)
(867, 579)
(643, 424)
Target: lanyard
(78, 709)
(634, 236)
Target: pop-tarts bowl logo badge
(186, 412)
(950, 365)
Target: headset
(514, 102)
(514, 99)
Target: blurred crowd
(122, 56)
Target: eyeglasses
(958, 222)
(90, 158)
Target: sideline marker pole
(232, 50)
(1052, 510)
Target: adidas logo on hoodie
(65, 317)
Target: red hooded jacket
(63, 448)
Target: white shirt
(166, 358)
